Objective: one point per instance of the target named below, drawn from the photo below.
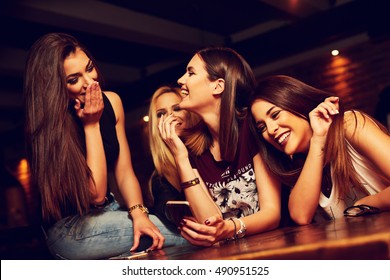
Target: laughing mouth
(185, 92)
(283, 138)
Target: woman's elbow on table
(301, 219)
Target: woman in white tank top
(331, 158)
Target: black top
(110, 143)
(107, 129)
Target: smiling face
(168, 103)
(196, 87)
(80, 72)
(284, 130)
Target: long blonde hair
(163, 159)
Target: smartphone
(176, 210)
(132, 256)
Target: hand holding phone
(176, 210)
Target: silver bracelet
(241, 232)
(234, 237)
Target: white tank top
(368, 174)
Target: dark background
(140, 45)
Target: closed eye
(73, 80)
(177, 108)
(90, 68)
(274, 115)
(260, 128)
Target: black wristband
(190, 183)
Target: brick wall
(357, 75)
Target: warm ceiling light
(335, 52)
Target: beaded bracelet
(190, 183)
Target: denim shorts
(100, 234)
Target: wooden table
(346, 238)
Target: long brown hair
(225, 63)
(300, 99)
(53, 142)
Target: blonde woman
(165, 181)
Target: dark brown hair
(300, 99)
(54, 146)
(225, 63)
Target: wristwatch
(241, 232)
(140, 207)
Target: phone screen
(177, 210)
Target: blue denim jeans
(100, 234)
